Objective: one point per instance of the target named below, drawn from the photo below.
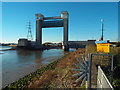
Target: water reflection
(4, 47)
(18, 63)
(29, 56)
(38, 56)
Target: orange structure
(103, 46)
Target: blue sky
(60, 0)
(84, 20)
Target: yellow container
(103, 47)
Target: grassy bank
(23, 82)
(61, 76)
(116, 72)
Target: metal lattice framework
(83, 68)
(29, 35)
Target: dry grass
(90, 49)
(12, 45)
(61, 76)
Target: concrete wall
(22, 42)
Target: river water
(18, 63)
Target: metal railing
(102, 81)
(90, 57)
(86, 69)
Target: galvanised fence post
(89, 69)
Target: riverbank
(19, 63)
(23, 82)
(11, 47)
(55, 75)
(61, 75)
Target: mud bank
(26, 80)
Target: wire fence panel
(102, 81)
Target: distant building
(23, 42)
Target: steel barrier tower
(48, 22)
